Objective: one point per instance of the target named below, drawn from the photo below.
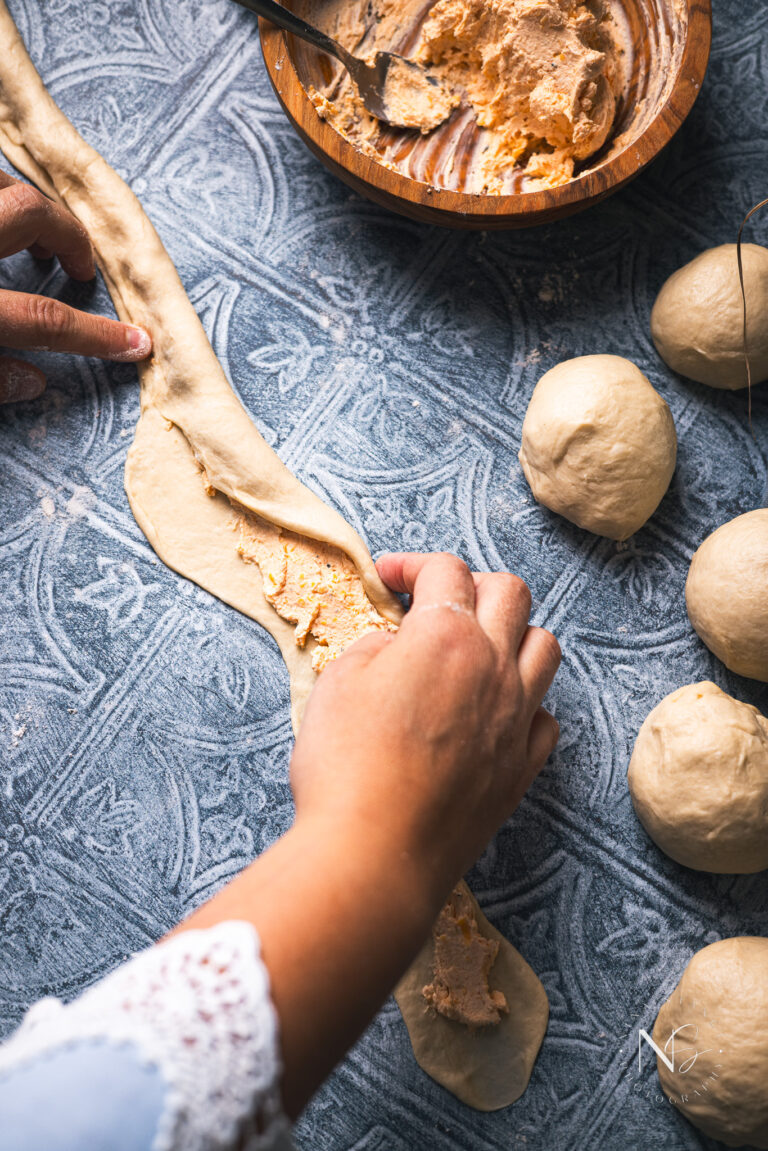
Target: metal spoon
(393, 89)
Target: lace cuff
(198, 1007)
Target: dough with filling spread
(726, 594)
(476, 1012)
(198, 462)
(697, 322)
(599, 444)
(716, 1022)
(698, 778)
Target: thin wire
(744, 222)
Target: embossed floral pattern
(144, 728)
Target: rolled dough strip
(488, 1067)
(182, 384)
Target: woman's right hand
(425, 740)
(415, 746)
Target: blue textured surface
(144, 726)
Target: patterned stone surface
(144, 726)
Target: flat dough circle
(488, 1068)
(699, 780)
(697, 322)
(599, 444)
(726, 594)
(721, 1005)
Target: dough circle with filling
(698, 778)
(697, 322)
(727, 594)
(488, 1064)
(599, 444)
(716, 1020)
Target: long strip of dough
(192, 421)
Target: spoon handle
(286, 19)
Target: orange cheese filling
(311, 584)
(463, 959)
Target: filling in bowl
(536, 91)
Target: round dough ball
(599, 444)
(727, 594)
(698, 778)
(718, 1015)
(697, 322)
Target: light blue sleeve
(89, 1096)
(179, 1044)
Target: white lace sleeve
(198, 1007)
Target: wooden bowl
(670, 51)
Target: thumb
(19, 381)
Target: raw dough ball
(697, 322)
(719, 1011)
(599, 444)
(699, 780)
(727, 594)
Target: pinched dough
(196, 452)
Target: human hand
(427, 739)
(415, 746)
(30, 220)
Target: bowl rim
(390, 186)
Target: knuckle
(50, 316)
(515, 590)
(465, 643)
(25, 200)
(518, 586)
(449, 561)
(550, 648)
(553, 643)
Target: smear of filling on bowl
(534, 85)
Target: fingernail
(138, 344)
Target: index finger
(42, 322)
(28, 219)
(432, 580)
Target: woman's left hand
(28, 219)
